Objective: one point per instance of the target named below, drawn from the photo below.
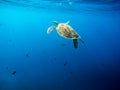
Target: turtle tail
(75, 42)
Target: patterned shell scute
(67, 31)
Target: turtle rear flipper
(75, 42)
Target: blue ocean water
(31, 59)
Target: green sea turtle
(66, 31)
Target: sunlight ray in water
(73, 5)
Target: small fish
(27, 55)
(10, 40)
(63, 44)
(65, 64)
(14, 72)
(7, 67)
(55, 58)
(71, 72)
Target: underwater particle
(65, 64)
(14, 72)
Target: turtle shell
(66, 31)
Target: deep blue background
(49, 62)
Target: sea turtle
(66, 31)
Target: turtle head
(56, 23)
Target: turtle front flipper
(50, 29)
(75, 42)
